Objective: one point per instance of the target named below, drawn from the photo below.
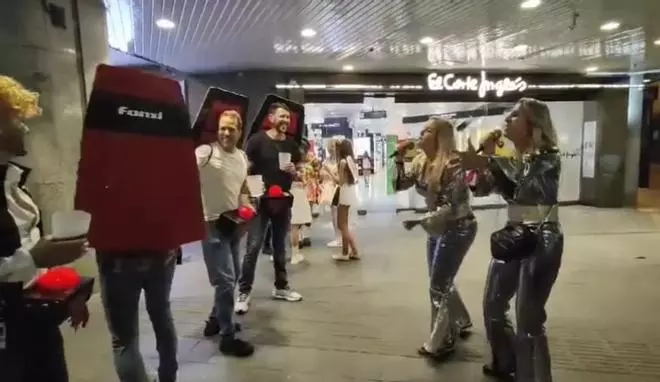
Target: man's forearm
(244, 197)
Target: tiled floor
(364, 321)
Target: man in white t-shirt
(223, 172)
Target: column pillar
(53, 47)
(618, 117)
(635, 110)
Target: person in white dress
(346, 197)
(301, 212)
(329, 187)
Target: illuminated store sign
(482, 85)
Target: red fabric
(142, 191)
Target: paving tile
(364, 321)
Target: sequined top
(528, 181)
(451, 200)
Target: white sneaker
(287, 294)
(340, 257)
(297, 258)
(335, 243)
(242, 303)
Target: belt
(438, 225)
(533, 214)
(463, 211)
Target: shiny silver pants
(445, 255)
(524, 352)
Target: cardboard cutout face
(217, 101)
(137, 174)
(264, 120)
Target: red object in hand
(275, 192)
(471, 178)
(58, 280)
(245, 212)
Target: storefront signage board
(482, 85)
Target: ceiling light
(165, 24)
(308, 33)
(521, 47)
(426, 40)
(591, 69)
(656, 42)
(347, 68)
(530, 4)
(610, 26)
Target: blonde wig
(445, 140)
(333, 144)
(544, 135)
(18, 102)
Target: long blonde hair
(21, 103)
(544, 135)
(445, 141)
(332, 148)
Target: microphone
(494, 136)
(409, 145)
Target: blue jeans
(279, 225)
(223, 265)
(123, 277)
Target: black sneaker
(492, 371)
(236, 347)
(306, 242)
(212, 327)
(267, 250)
(439, 355)
(465, 331)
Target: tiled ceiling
(384, 35)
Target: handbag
(513, 242)
(516, 241)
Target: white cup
(255, 184)
(71, 224)
(285, 159)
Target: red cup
(275, 192)
(245, 212)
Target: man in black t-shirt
(263, 150)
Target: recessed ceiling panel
(388, 35)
